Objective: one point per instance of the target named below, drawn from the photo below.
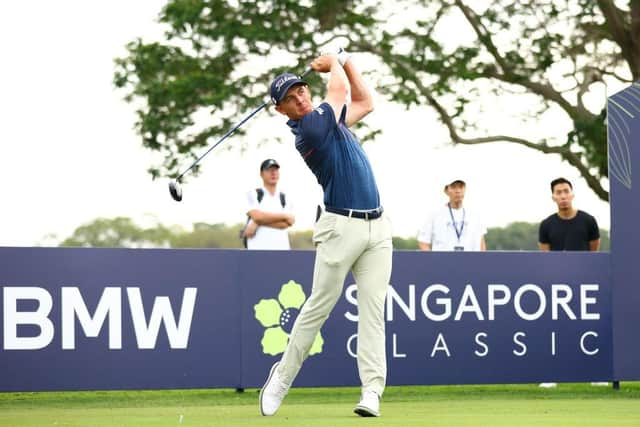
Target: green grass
(504, 405)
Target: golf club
(174, 186)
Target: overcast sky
(69, 155)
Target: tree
(517, 236)
(301, 239)
(400, 243)
(554, 54)
(209, 236)
(523, 236)
(120, 232)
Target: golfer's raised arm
(361, 99)
(338, 85)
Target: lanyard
(453, 220)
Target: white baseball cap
(453, 180)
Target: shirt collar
(294, 125)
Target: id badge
(458, 248)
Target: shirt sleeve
(482, 226)
(594, 231)
(543, 232)
(425, 233)
(252, 201)
(289, 205)
(316, 125)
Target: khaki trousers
(365, 248)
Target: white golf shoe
(548, 385)
(369, 405)
(272, 393)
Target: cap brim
(288, 85)
(455, 181)
(269, 166)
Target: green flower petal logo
(278, 317)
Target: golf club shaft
(225, 136)
(233, 129)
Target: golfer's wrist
(343, 56)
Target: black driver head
(175, 190)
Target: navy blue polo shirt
(336, 158)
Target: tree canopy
(123, 232)
(119, 232)
(523, 236)
(555, 55)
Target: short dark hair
(560, 181)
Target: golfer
(351, 234)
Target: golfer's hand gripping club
(341, 54)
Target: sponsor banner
(454, 318)
(623, 120)
(78, 319)
(82, 318)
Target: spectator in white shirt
(269, 212)
(453, 227)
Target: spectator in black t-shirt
(569, 229)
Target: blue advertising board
(467, 318)
(623, 127)
(78, 318)
(164, 317)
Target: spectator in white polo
(453, 227)
(269, 212)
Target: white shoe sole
(547, 385)
(363, 411)
(273, 369)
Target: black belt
(352, 213)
